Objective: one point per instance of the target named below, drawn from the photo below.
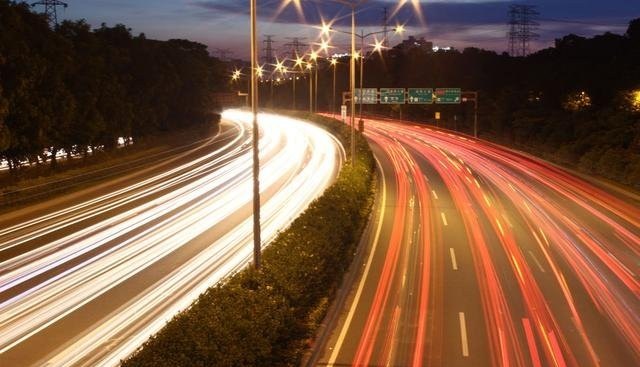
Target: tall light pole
(310, 68)
(352, 83)
(313, 56)
(352, 71)
(334, 63)
(298, 64)
(257, 243)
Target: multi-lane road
(86, 278)
(481, 256)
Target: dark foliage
(74, 88)
(265, 318)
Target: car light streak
(56, 279)
(519, 214)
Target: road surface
(85, 280)
(481, 256)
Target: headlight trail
(492, 258)
(168, 238)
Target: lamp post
(334, 63)
(298, 64)
(310, 68)
(257, 243)
(313, 57)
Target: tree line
(75, 88)
(573, 103)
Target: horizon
(459, 24)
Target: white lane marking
(454, 263)
(444, 219)
(356, 299)
(434, 194)
(535, 259)
(463, 334)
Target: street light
(314, 57)
(298, 64)
(257, 243)
(377, 48)
(352, 68)
(353, 4)
(334, 63)
(310, 68)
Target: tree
(633, 32)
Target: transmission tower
(50, 9)
(295, 46)
(522, 25)
(269, 57)
(385, 27)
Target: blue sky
(224, 23)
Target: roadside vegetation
(267, 317)
(78, 90)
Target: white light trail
(59, 278)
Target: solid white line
(352, 309)
(463, 334)
(454, 263)
(444, 219)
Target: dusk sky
(224, 24)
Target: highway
(478, 255)
(86, 279)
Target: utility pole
(50, 9)
(522, 25)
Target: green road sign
(420, 95)
(448, 95)
(369, 95)
(392, 95)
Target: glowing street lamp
(325, 29)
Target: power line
(569, 21)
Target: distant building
(413, 43)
